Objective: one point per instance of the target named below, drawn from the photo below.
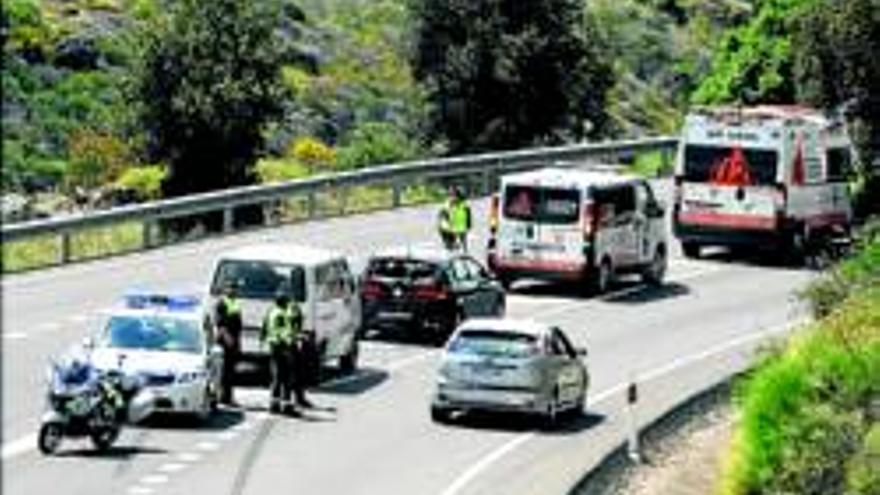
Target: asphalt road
(372, 433)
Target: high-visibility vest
(456, 217)
(233, 306)
(282, 325)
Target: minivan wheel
(348, 361)
(601, 278)
(655, 272)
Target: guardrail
(481, 171)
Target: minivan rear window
(261, 279)
(494, 344)
(542, 205)
(722, 164)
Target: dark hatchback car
(425, 293)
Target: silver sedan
(510, 365)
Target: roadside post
(632, 445)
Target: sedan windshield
(494, 344)
(153, 333)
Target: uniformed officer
(455, 220)
(227, 314)
(282, 331)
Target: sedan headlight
(190, 376)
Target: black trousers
(227, 377)
(285, 368)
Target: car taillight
(431, 292)
(589, 220)
(494, 207)
(371, 290)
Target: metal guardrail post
(147, 233)
(228, 218)
(65, 253)
(396, 190)
(311, 204)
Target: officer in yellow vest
(227, 314)
(455, 220)
(281, 329)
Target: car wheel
(441, 415)
(691, 250)
(655, 272)
(50, 437)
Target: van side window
(329, 282)
(616, 205)
(839, 163)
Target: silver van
(320, 281)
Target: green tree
(754, 61)
(502, 74)
(836, 64)
(209, 84)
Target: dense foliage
(210, 82)
(503, 74)
(808, 414)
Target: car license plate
(395, 315)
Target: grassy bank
(809, 413)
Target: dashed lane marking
(154, 479)
(171, 467)
(208, 446)
(140, 490)
(14, 336)
(189, 457)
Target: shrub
(863, 470)
(312, 153)
(376, 143)
(269, 171)
(95, 159)
(855, 273)
(651, 164)
(145, 181)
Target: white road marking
(225, 436)
(14, 336)
(140, 490)
(154, 479)
(171, 467)
(78, 318)
(189, 456)
(243, 426)
(19, 446)
(208, 446)
(483, 464)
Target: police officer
(227, 313)
(455, 220)
(281, 331)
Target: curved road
(372, 433)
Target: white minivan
(320, 281)
(570, 224)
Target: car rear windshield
(724, 164)
(261, 279)
(402, 269)
(542, 205)
(154, 333)
(494, 344)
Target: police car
(167, 341)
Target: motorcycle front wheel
(50, 437)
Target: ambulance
(583, 226)
(772, 177)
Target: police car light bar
(173, 302)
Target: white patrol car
(167, 341)
(767, 176)
(569, 224)
(320, 281)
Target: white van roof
(565, 177)
(282, 253)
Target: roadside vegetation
(810, 413)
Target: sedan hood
(136, 361)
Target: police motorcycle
(85, 402)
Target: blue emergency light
(137, 299)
